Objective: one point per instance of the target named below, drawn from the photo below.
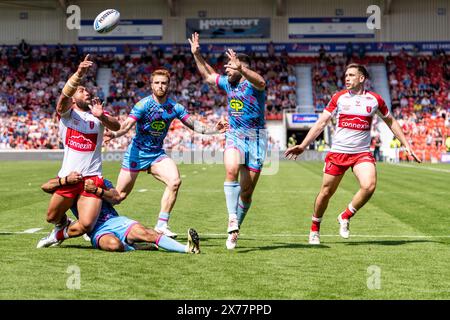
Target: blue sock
(232, 190)
(170, 245)
(163, 219)
(242, 210)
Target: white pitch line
(283, 235)
(421, 168)
(322, 235)
(32, 230)
(142, 190)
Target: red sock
(349, 212)
(316, 224)
(62, 234)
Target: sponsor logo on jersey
(355, 122)
(158, 125)
(237, 106)
(79, 141)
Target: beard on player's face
(82, 102)
(160, 92)
(233, 76)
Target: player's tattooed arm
(53, 184)
(398, 132)
(110, 195)
(199, 127)
(207, 72)
(253, 77)
(65, 100)
(124, 128)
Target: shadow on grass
(385, 242)
(283, 246)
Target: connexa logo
(206, 24)
(354, 122)
(79, 141)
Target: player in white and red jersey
(82, 122)
(354, 109)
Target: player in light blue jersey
(246, 139)
(152, 117)
(119, 233)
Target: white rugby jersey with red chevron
(354, 114)
(82, 136)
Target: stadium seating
(30, 83)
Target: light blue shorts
(137, 160)
(252, 147)
(117, 226)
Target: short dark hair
(362, 69)
(243, 58)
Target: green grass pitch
(399, 246)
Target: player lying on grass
(111, 231)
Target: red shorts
(337, 163)
(72, 191)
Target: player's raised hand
(84, 66)
(222, 126)
(74, 177)
(96, 107)
(412, 154)
(293, 152)
(233, 62)
(89, 186)
(195, 43)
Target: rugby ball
(106, 21)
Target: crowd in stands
(31, 79)
(420, 92)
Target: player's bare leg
(57, 208)
(232, 189)
(56, 214)
(88, 211)
(366, 175)
(167, 172)
(110, 242)
(139, 233)
(125, 182)
(329, 186)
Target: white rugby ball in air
(106, 21)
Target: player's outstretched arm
(207, 72)
(111, 195)
(53, 184)
(293, 152)
(65, 99)
(398, 132)
(199, 127)
(108, 121)
(124, 128)
(253, 77)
